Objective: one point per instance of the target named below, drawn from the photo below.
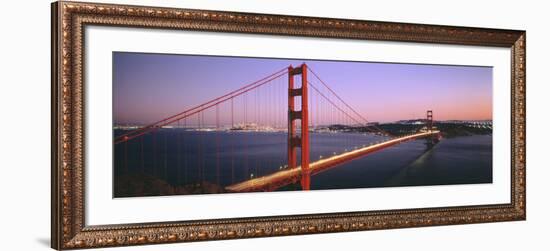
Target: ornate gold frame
(68, 228)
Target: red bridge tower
(429, 120)
(301, 141)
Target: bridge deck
(285, 177)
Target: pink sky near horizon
(149, 87)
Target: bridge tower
(434, 139)
(295, 141)
(429, 120)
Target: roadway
(284, 177)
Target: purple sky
(150, 87)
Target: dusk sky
(150, 87)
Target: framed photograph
(177, 125)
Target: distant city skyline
(150, 87)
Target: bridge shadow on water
(412, 168)
(460, 160)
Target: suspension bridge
(294, 103)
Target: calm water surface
(181, 157)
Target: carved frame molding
(68, 22)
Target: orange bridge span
(284, 177)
